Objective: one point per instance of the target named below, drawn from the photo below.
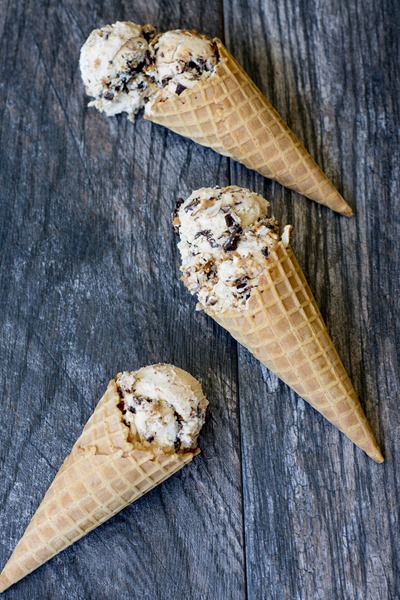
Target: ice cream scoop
(226, 238)
(113, 462)
(247, 278)
(163, 406)
(112, 63)
(180, 59)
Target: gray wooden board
(321, 519)
(279, 504)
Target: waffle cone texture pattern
(102, 475)
(229, 114)
(283, 328)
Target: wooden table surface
(279, 505)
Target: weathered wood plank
(90, 286)
(320, 517)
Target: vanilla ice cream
(181, 58)
(225, 242)
(163, 406)
(112, 64)
(125, 67)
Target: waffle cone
(101, 476)
(284, 329)
(229, 114)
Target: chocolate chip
(231, 243)
(233, 240)
(186, 67)
(177, 445)
(148, 59)
(205, 232)
(179, 89)
(208, 235)
(178, 416)
(178, 204)
(134, 69)
(109, 96)
(150, 438)
(132, 409)
(121, 405)
(192, 205)
(229, 220)
(265, 251)
(241, 283)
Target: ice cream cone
(102, 475)
(283, 328)
(229, 114)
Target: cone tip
(347, 211)
(4, 582)
(377, 456)
(339, 204)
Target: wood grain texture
(279, 505)
(90, 287)
(320, 517)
